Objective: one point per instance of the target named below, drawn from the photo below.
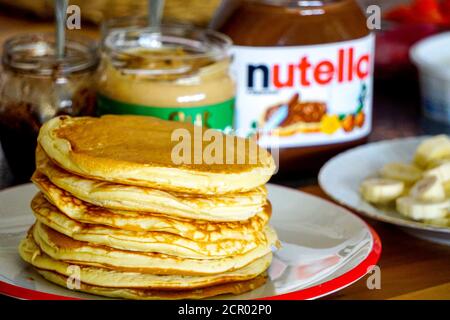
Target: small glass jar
(35, 86)
(173, 72)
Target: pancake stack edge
(149, 239)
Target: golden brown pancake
(31, 253)
(230, 207)
(139, 151)
(161, 242)
(199, 230)
(117, 205)
(61, 247)
(148, 294)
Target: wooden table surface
(410, 268)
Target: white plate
(341, 176)
(325, 248)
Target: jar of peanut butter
(304, 76)
(173, 72)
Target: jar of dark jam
(35, 86)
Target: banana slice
(377, 190)
(428, 189)
(446, 186)
(418, 210)
(401, 171)
(436, 163)
(432, 149)
(441, 172)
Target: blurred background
(397, 98)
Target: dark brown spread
(37, 86)
(263, 23)
(331, 50)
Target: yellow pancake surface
(161, 242)
(144, 151)
(200, 230)
(30, 252)
(61, 247)
(234, 288)
(229, 207)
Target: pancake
(30, 252)
(146, 294)
(143, 221)
(61, 247)
(139, 151)
(161, 242)
(232, 207)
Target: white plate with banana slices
(405, 182)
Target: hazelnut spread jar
(173, 72)
(304, 76)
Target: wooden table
(410, 268)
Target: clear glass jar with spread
(304, 74)
(35, 86)
(173, 72)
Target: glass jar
(35, 86)
(173, 72)
(304, 84)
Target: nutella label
(304, 95)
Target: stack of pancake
(118, 215)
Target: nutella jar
(35, 86)
(174, 72)
(304, 76)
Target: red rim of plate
(317, 291)
(340, 282)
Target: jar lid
(169, 49)
(35, 54)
